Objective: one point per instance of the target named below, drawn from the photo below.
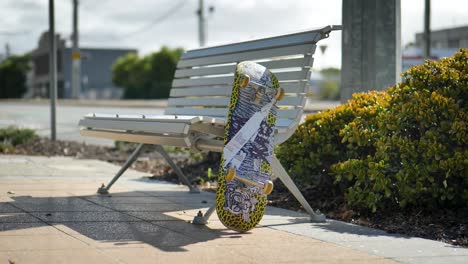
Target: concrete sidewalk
(50, 213)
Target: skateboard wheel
(279, 94)
(245, 79)
(231, 174)
(268, 187)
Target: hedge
(405, 146)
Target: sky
(147, 25)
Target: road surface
(37, 116)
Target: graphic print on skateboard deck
(244, 175)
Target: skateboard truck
(267, 187)
(245, 80)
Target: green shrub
(403, 146)
(16, 136)
(330, 90)
(124, 145)
(13, 76)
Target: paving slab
(27, 229)
(50, 213)
(65, 256)
(42, 242)
(18, 218)
(7, 208)
(122, 232)
(65, 217)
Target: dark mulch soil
(450, 226)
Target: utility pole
(76, 56)
(7, 50)
(201, 23)
(427, 30)
(52, 70)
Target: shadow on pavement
(127, 218)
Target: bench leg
(202, 219)
(177, 170)
(281, 173)
(105, 189)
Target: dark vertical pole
(52, 70)
(7, 50)
(427, 30)
(76, 57)
(201, 23)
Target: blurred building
(413, 56)
(450, 38)
(96, 70)
(444, 43)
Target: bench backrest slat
(266, 43)
(224, 101)
(221, 112)
(248, 55)
(225, 90)
(228, 69)
(203, 79)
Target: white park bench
(199, 102)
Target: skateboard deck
(244, 177)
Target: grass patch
(12, 136)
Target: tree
(331, 72)
(147, 77)
(330, 86)
(13, 76)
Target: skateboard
(244, 177)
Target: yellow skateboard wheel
(267, 187)
(279, 94)
(245, 80)
(231, 174)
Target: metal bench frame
(199, 101)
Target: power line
(157, 20)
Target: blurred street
(27, 114)
(37, 117)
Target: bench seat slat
(249, 55)
(154, 127)
(187, 119)
(138, 137)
